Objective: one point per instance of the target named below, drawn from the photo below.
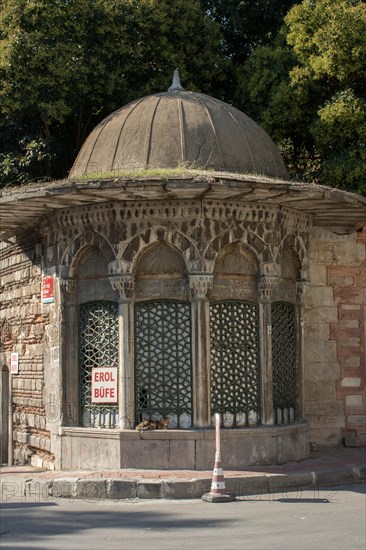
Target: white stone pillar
(200, 284)
(266, 285)
(123, 283)
(69, 354)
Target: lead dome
(175, 129)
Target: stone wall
(333, 393)
(335, 399)
(23, 322)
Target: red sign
(104, 385)
(14, 363)
(47, 290)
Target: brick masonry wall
(22, 324)
(335, 396)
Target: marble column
(266, 286)
(69, 353)
(123, 283)
(199, 285)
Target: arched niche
(290, 265)
(92, 277)
(161, 273)
(235, 274)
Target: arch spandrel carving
(252, 242)
(292, 260)
(160, 271)
(297, 243)
(133, 249)
(75, 251)
(236, 273)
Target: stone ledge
(251, 485)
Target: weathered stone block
(326, 436)
(38, 489)
(357, 419)
(91, 490)
(336, 252)
(317, 332)
(317, 315)
(322, 371)
(178, 488)
(319, 296)
(349, 323)
(351, 382)
(64, 487)
(354, 400)
(350, 342)
(316, 352)
(318, 392)
(325, 413)
(133, 454)
(318, 275)
(348, 295)
(352, 362)
(341, 281)
(182, 454)
(118, 489)
(149, 489)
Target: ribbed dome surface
(179, 128)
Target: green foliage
(65, 64)
(247, 23)
(308, 90)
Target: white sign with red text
(104, 385)
(14, 363)
(47, 290)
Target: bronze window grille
(98, 347)
(235, 372)
(163, 365)
(284, 355)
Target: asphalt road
(327, 519)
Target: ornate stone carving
(266, 287)
(123, 283)
(199, 231)
(200, 284)
(68, 285)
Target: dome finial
(176, 85)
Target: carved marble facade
(202, 252)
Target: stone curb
(254, 486)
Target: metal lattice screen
(163, 362)
(235, 373)
(98, 347)
(284, 362)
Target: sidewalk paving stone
(326, 467)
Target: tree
(65, 64)
(308, 89)
(247, 23)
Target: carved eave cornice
(24, 207)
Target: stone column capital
(68, 285)
(267, 283)
(123, 283)
(200, 284)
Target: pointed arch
(80, 245)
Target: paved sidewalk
(326, 467)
